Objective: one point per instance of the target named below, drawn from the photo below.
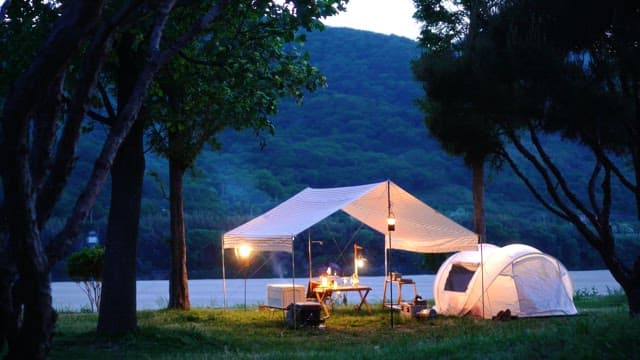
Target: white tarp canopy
(419, 227)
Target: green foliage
(85, 267)
(363, 127)
(518, 70)
(86, 264)
(233, 79)
(27, 28)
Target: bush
(85, 268)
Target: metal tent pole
(482, 274)
(224, 278)
(309, 249)
(293, 280)
(389, 229)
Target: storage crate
(409, 310)
(305, 313)
(281, 295)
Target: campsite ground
(602, 330)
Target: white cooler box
(281, 295)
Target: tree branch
(107, 102)
(156, 34)
(78, 18)
(65, 155)
(100, 118)
(605, 228)
(532, 188)
(591, 187)
(606, 161)
(192, 60)
(126, 117)
(542, 170)
(44, 133)
(558, 176)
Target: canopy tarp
(419, 228)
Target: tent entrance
(460, 276)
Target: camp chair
(311, 294)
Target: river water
(68, 296)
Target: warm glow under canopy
(419, 228)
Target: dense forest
(364, 127)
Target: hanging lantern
(391, 222)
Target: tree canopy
(540, 71)
(46, 101)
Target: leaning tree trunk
(118, 300)
(178, 280)
(479, 226)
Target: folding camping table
(323, 292)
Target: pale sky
(381, 16)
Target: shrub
(85, 268)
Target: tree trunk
(479, 226)
(39, 317)
(633, 291)
(9, 314)
(178, 280)
(118, 300)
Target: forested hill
(362, 128)
(365, 127)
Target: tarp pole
(389, 256)
(482, 275)
(224, 277)
(386, 267)
(293, 281)
(309, 244)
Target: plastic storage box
(281, 295)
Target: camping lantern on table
(354, 280)
(358, 262)
(324, 280)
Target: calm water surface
(209, 293)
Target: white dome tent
(516, 277)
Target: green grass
(603, 330)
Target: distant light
(92, 238)
(244, 251)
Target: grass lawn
(603, 330)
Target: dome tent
(516, 277)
